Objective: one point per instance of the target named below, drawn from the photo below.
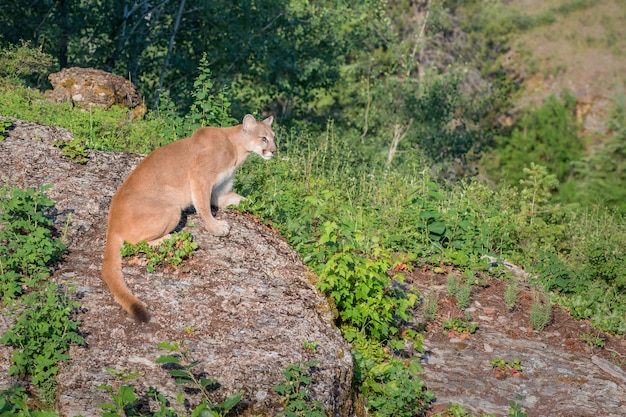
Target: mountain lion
(199, 171)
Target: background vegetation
(392, 146)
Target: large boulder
(242, 303)
(89, 87)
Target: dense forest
(416, 112)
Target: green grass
(96, 128)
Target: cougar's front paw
(220, 228)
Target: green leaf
(204, 382)
(167, 359)
(231, 401)
(127, 393)
(169, 346)
(437, 228)
(178, 374)
(415, 367)
(381, 369)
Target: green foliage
(510, 294)
(4, 125)
(277, 52)
(27, 244)
(44, 330)
(211, 106)
(181, 369)
(589, 279)
(555, 275)
(329, 217)
(442, 134)
(14, 403)
(172, 251)
(458, 325)
(463, 295)
(42, 334)
(311, 346)
(452, 285)
(209, 109)
(593, 341)
(337, 193)
(73, 149)
(363, 291)
(547, 136)
(24, 62)
(390, 387)
(602, 175)
(540, 312)
(536, 187)
(430, 305)
(294, 394)
(457, 410)
(95, 128)
(503, 364)
(602, 306)
(515, 409)
(126, 400)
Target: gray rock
(554, 382)
(242, 303)
(90, 87)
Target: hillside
(581, 47)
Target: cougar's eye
(264, 139)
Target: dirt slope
(583, 50)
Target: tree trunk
(399, 133)
(170, 47)
(64, 7)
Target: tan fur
(199, 171)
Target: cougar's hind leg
(153, 228)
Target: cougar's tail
(112, 275)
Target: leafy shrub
(42, 334)
(547, 136)
(44, 328)
(590, 279)
(601, 175)
(14, 402)
(459, 326)
(364, 293)
(211, 106)
(25, 62)
(171, 251)
(73, 149)
(391, 388)
(27, 244)
(178, 364)
(294, 394)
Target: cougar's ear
(249, 123)
(268, 121)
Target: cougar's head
(260, 136)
